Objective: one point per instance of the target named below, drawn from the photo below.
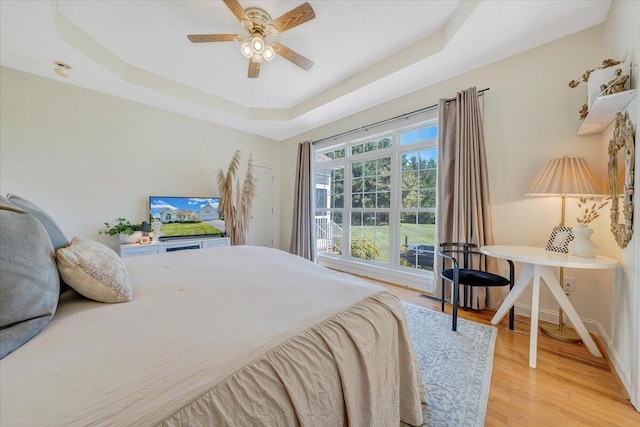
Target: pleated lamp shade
(566, 177)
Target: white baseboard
(593, 326)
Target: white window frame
(391, 272)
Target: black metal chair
(468, 277)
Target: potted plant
(126, 231)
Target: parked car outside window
(421, 255)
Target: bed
(226, 336)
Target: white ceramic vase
(581, 245)
(130, 238)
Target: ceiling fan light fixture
(257, 44)
(271, 30)
(246, 49)
(268, 53)
(259, 25)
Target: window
(375, 199)
(417, 207)
(329, 188)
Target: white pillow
(94, 270)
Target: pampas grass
(590, 212)
(235, 205)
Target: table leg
(557, 291)
(520, 285)
(535, 305)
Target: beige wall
(621, 320)
(87, 158)
(531, 116)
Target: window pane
(369, 200)
(329, 232)
(356, 220)
(370, 184)
(383, 183)
(384, 200)
(419, 173)
(410, 199)
(337, 201)
(385, 142)
(428, 178)
(370, 236)
(373, 145)
(421, 134)
(356, 169)
(322, 194)
(409, 181)
(357, 149)
(370, 168)
(329, 187)
(357, 185)
(410, 161)
(428, 198)
(384, 166)
(330, 155)
(428, 158)
(417, 239)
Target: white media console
(134, 249)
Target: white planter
(130, 238)
(581, 245)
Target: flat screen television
(183, 217)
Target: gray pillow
(29, 281)
(56, 235)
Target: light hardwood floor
(569, 387)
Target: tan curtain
(464, 211)
(302, 242)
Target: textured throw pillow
(29, 281)
(56, 235)
(94, 270)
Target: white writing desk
(539, 263)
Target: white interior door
(260, 231)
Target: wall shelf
(604, 110)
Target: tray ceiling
(365, 52)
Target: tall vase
(581, 245)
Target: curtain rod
(382, 122)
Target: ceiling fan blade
(293, 18)
(292, 56)
(203, 38)
(239, 12)
(254, 69)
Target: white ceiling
(365, 52)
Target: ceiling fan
(260, 25)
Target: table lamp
(144, 227)
(564, 177)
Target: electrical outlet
(569, 284)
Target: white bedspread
(238, 336)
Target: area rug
(455, 366)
